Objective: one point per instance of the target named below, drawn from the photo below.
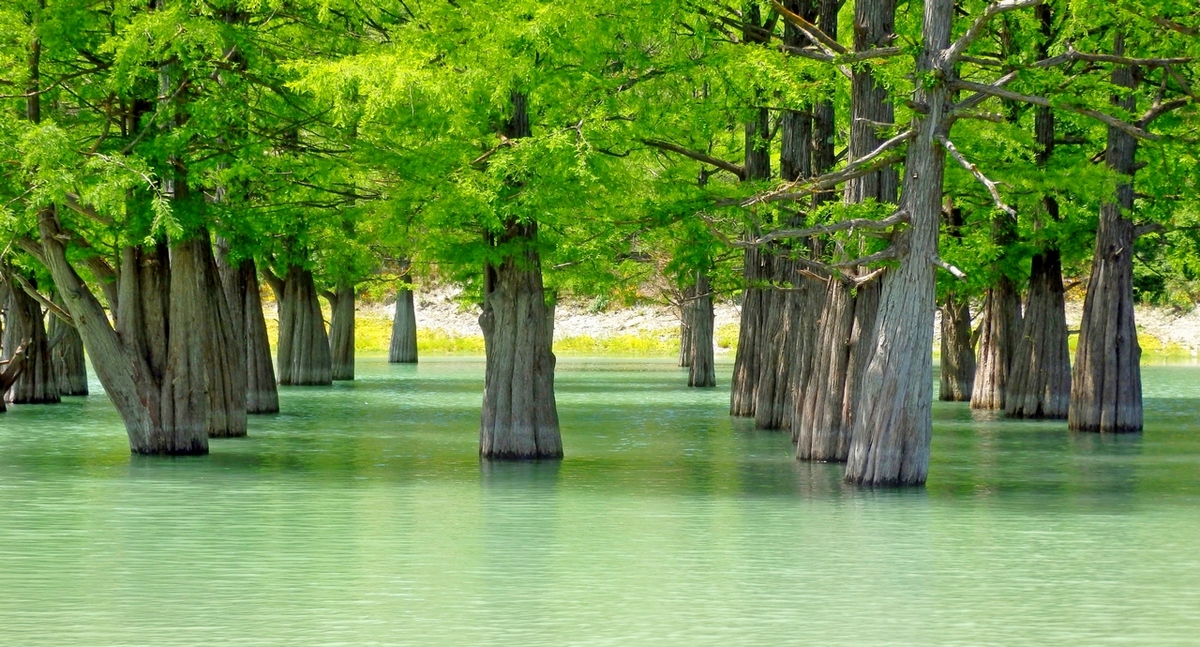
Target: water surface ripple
(362, 516)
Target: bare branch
(1110, 120)
(698, 156)
(979, 97)
(47, 303)
(814, 33)
(954, 271)
(72, 202)
(864, 165)
(854, 223)
(973, 33)
(991, 186)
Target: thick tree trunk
(999, 331)
(303, 349)
(520, 418)
(341, 331)
(37, 383)
(1106, 388)
(403, 349)
(819, 433)
(68, 356)
(958, 355)
(244, 298)
(893, 422)
(699, 309)
(1039, 384)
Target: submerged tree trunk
(958, 355)
(520, 416)
(819, 433)
(1039, 385)
(403, 348)
(999, 330)
(1106, 388)
(67, 353)
(893, 422)
(37, 383)
(303, 349)
(699, 308)
(244, 298)
(341, 331)
(685, 327)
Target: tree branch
(994, 9)
(814, 33)
(739, 171)
(844, 225)
(957, 273)
(1110, 120)
(991, 186)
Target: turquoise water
(362, 516)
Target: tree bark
(37, 383)
(341, 331)
(303, 357)
(1039, 384)
(69, 362)
(242, 294)
(1000, 328)
(699, 308)
(1106, 388)
(958, 355)
(403, 348)
(685, 327)
(892, 428)
(820, 435)
(520, 417)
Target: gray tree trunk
(999, 331)
(403, 348)
(1106, 388)
(958, 355)
(893, 421)
(244, 298)
(303, 357)
(341, 331)
(69, 362)
(37, 383)
(699, 308)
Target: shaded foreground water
(362, 516)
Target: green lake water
(362, 516)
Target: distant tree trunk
(520, 417)
(37, 383)
(303, 357)
(893, 417)
(958, 355)
(1039, 381)
(10, 369)
(1106, 388)
(699, 306)
(242, 294)
(685, 328)
(68, 357)
(999, 330)
(341, 331)
(403, 349)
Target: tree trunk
(819, 433)
(403, 349)
(37, 383)
(685, 327)
(68, 357)
(1039, 384)
(1000, 328)
(242, 294)
(958, 356)
(1106, 388)
(520, 418)
(341, 331)
(303, 349)
(699, 306)
(892, 428)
